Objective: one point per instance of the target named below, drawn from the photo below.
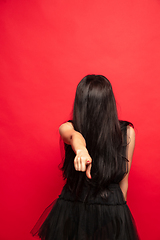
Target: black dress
(87, 217)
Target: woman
(98, 156)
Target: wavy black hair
(95, 117)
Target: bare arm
(82, 161)
(130, 149)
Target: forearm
(77, 141)
(82, 160)
(72, 137)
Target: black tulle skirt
(94, 218)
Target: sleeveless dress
(87, 217)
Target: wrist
(81, 149)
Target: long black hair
(95, 117)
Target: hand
(83, 162)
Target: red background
(46, 47)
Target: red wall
(46, 47)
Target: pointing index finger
(88, 171)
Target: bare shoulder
(130, 142)
(130, 133)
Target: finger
(75, 163)
(78, 164)
(88, 171)
(83, 166)
(88, 162)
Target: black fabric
(88, 217)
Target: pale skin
(83, 161)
